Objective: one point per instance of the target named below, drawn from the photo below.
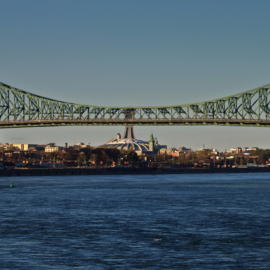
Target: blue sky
(143, 52)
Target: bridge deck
(135, 122)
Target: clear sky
(136, 52)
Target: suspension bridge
(19, 108)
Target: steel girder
(19, 108)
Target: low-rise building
(51, 148)
(20, 146)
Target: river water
(210, 221)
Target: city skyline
(143, 53)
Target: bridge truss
(19, 108)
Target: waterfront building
(51, 148)
(236, 150)
(128, 143)
(184, 149)
(20, 146)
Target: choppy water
(216, 221)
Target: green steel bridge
(19, 108)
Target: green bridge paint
(19, 108)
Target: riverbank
(119, 171)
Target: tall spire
(129, 133)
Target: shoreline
(125, 171)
